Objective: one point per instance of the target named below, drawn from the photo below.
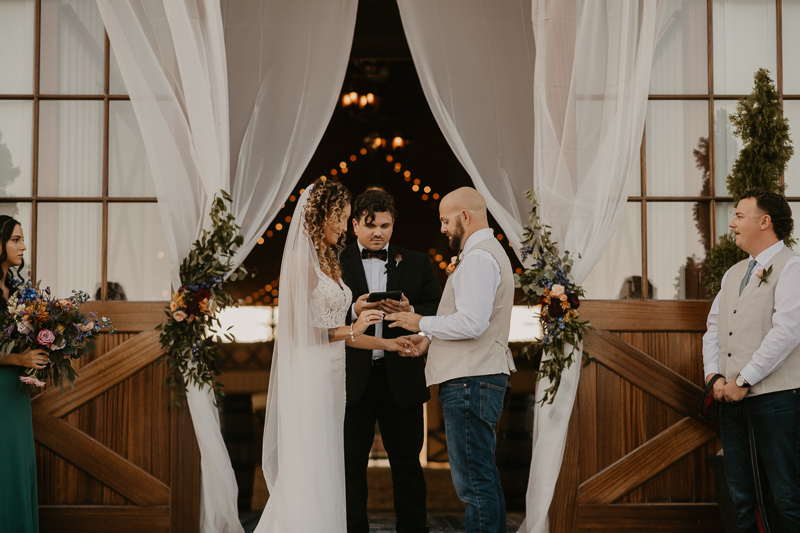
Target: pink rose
(173, 306)
(557, 290)
(46, 337)
(760, 272)
(179, 316)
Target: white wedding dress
(303, 457)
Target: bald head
(465, 199)
(462, 213)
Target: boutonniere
(763, 275)
(397, 259)
(454, 261)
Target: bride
(303, 457)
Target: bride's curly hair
(326, 203)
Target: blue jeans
(775, 425)
(471, 408)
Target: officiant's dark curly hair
(373, 201)
(775, 205)
(327, 202)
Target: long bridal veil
(302, 450)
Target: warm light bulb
(346, 101)
(397, 142)
(427, 189)
(376, 143)
(362, 102)
(370, 98)
(354, 97)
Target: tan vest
(745, 320)
(488, 354)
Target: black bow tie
(383, 255)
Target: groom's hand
(421, 341)
(407, 321)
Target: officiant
(382, 386)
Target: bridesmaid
(19, 510)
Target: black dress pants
(402, 431)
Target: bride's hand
(367, 318)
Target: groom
(469, 356)
(384, 386)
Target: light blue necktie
(746, 278)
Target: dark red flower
(555, 308)
(193, 307)
(202, 294)
(574, 301)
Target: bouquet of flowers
(189, 335)
(34, 318)
(546, 283)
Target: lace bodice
(329, 302)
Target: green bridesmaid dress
(19, 508)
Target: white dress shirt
(377, 275)
(784, 336)
(475, 283)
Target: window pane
(618, 274)
(677, 148)
(676, 233)
(16, 145)
(791, 110)
(744, 41)
(70, 148)
(128, 169)
(726, 146)
(69, 247)
(72, 40)
(791, 46)
(22, 213)
(680, 60)
(138, 257)
(115, 83)
(723, 214)
(16, 46)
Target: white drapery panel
(549, 95)
(287, 62)
(173, 58)
(475, 61)
(590, 100)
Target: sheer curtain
(549, 95)
(173, 58)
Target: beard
(454, 239)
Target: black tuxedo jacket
(414, 276)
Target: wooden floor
(384, 522)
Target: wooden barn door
(112, 456)
(636, 452)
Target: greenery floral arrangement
(191, 333)
(34, 318)
(767, 148)
(546, 283)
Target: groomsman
(385, 387)
(469, 356)
(752, 351)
